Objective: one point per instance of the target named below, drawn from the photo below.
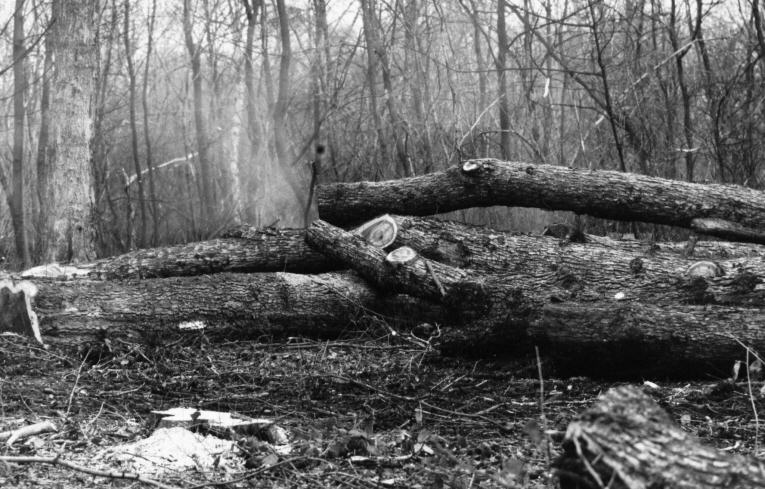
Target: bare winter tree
(68, 232)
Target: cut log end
(705, 269)
(401, 256)
(16, 314)
(380, 232)
(471, 166)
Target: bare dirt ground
(365, 411)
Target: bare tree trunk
(146, 130)
(610, 112)
(685, 94)
(205, 170)
(504, 104)
(411, 14)
(725, 211)
(372, 69)
(280, 109)
(68, 204)
(252, 136)
(398, 126)
(133, 124)
(16, 194)
(43, 159)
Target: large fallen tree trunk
(626, 441)
(266, 303)
(730, 212)
(243, 250)
(247, 249)
(589, 271)
(561, 313)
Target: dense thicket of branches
(206, 112)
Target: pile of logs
(594, 304)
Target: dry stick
(79, 468)
(435, 278)
(74, 387)
(250, 475)
(542, 416)
(25, 431)
(373, 388)
(754, 407)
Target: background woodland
(203, 114)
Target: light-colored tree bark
(132, 84)
(501, 64)
(203, 140)
(68, 233)
(147, 129)
(16, 194)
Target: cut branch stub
(380, 232)
(471, 166)
(401, 256)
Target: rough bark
(203, 140)
(132, 91)
(606, 194)
(16, 192)
(68, 233)
(516, 309)
(627, 441)
(504, 103)
(246, 250)
(602, 262)
(266, 303)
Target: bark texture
(244, 250)
(626, 441)
(606, 194)
(561, 311)
(265, 303)
(68, 233)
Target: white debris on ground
(176, 449)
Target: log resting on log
(244, 250)
(563, 314)
(605, 194)
(646, 272)
(265, 303)
(247, 249)
(626, 441)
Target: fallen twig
(79, 468)
(25, 431)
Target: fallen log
(244, 250)
(726, 211)
(626, 441)
(247, 249)
(511, 311)
(265, 303)
(643, 272)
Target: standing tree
(16, 193)
(68, 233)
(504, 104)
(131, 72)
(205, 170)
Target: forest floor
(359, 412)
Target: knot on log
(744, 282)
(636, 266)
